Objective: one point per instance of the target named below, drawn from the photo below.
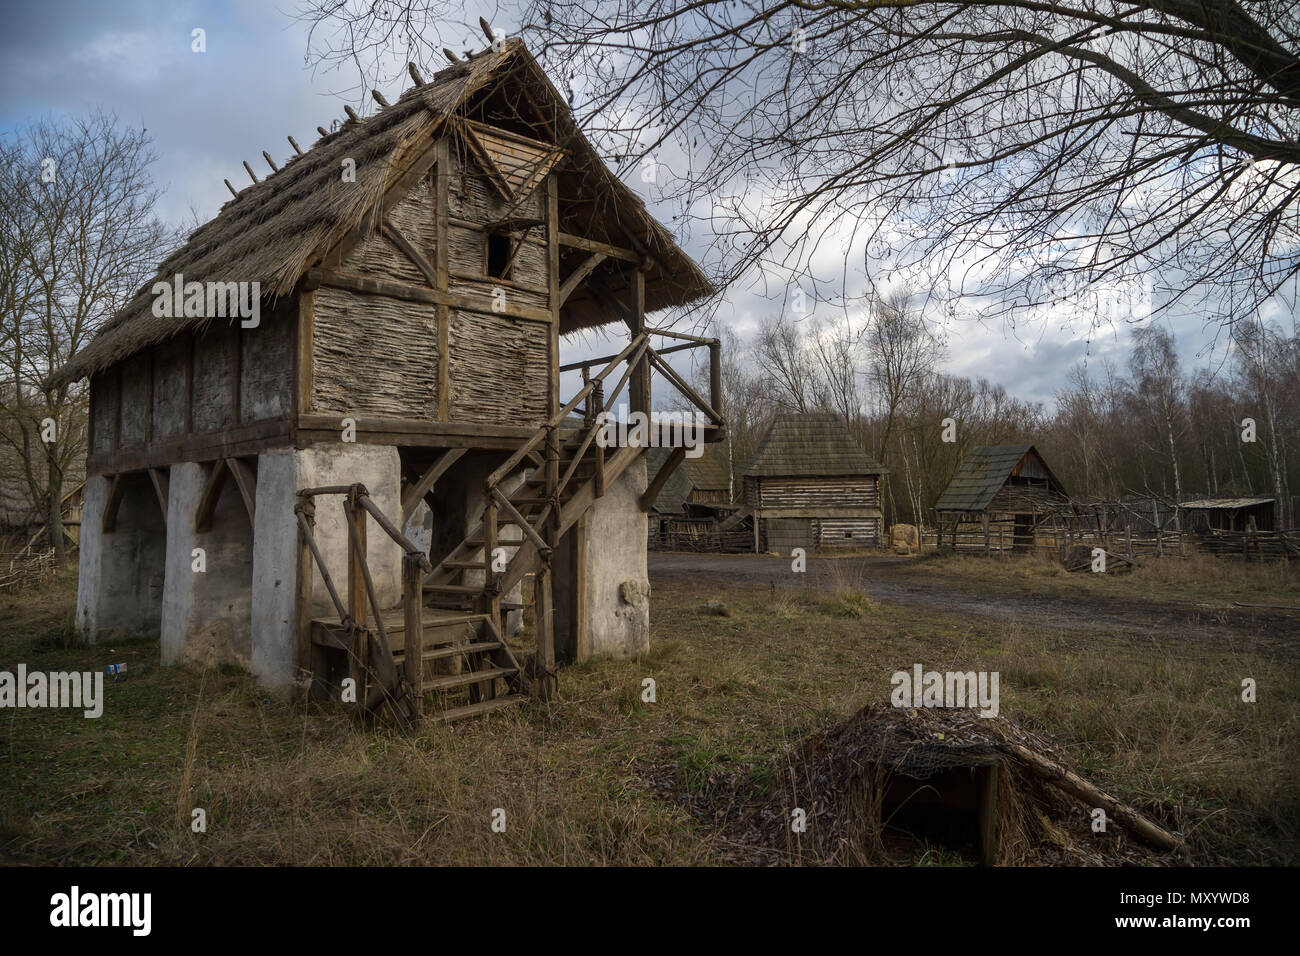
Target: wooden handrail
(305, 529)
(697, 339)
(557, 419)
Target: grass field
(1156, 721)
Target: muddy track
(902, 581)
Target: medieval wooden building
(693, 503)
(810, 485)
(353, 475)
(1002, 493)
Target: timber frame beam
(221, 469)
(413, 494)
(661, 477)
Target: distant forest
(1149, 428)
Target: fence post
(984, 520)
(413, 613)
(302, 602)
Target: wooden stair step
(448, 681)
(473, 710)
(454, 650)
(453, 588)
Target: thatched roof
(812, 443)
(278, 228)
(984, 471)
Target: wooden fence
(1249, 545)
(26, 569)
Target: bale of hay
(905, 534)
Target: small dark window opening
(497, 259)
(848, 534)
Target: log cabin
(343, 483)
(810, 485)
(1002, 489)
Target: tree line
(1145, 427)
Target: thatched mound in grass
(877, 784)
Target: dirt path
(900, 580)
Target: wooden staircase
(464, 665)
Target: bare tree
(786, 364)
(900, 349)
(1158, 397)
(79, 236)
(1008, 149)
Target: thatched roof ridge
(812, 444)
(276, 229)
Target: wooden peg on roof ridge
(379, 98)
(233, 192)
(294, 143)
(250, 172)
(352, 114)
(415, 74)
(487, 30)
(270, 162)
(322, 130)
(450, 55)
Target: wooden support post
(984, 522)
(441, 266)
(553, 476)
(715, 375)
(359, 658)
(358, 608)
(553, 293)
(1128, 539)
(639, 389)
(413, 618)
(988, 815)
(544, 607)
(303, 593)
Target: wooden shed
(1228, 514)
(810, 485)
(372, 464)
(1006, 490)
(693, 503)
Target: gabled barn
(1000, 488)
(810, 485)
(692, 502)
(340, 446)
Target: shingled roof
(812, 443)
(982, 473)
(707, 473)
(274, 230)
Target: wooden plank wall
(180, 399)
(812, 492)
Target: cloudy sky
(252, 86)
